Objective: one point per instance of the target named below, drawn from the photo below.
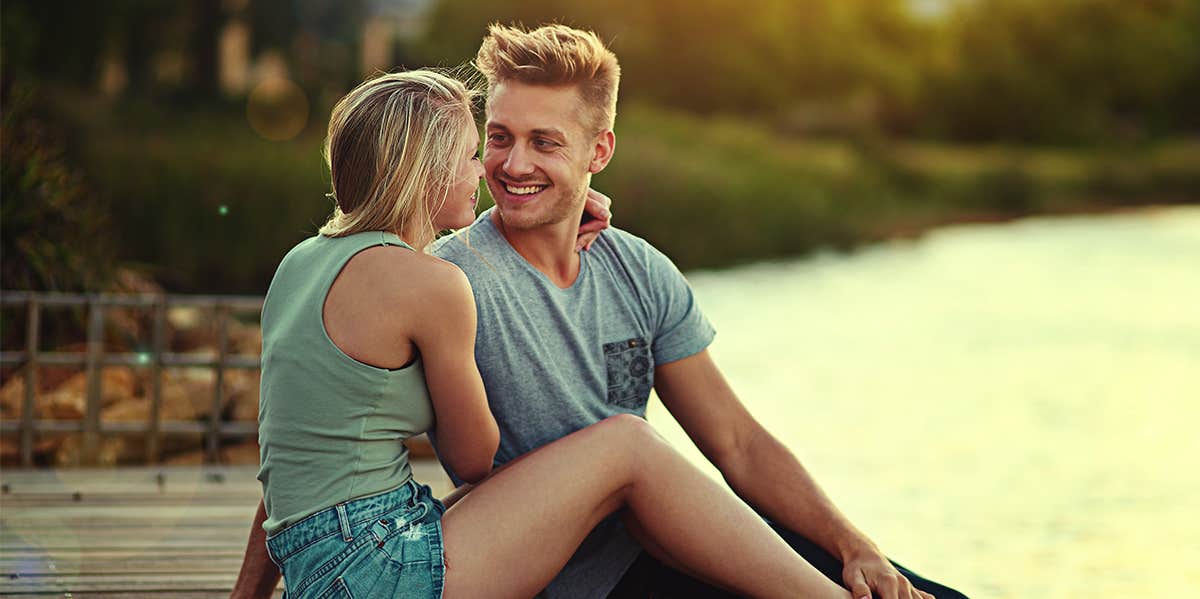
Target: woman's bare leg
(512, 533)
(639, 534)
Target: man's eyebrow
(541, 131)
(550, 133)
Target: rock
(130, 327)
(241, 387)
(245, 339)
(187, 394)
(12, 392)
(12, 397)
(127, 280)
(191, 328)
(241, 453)
(10, 451)
(190, 458)
(196, 328)
(135, 409)
(69, 400)
(109, 451)
(184, 317)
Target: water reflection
(1010, 408)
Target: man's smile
(523, 190)
(518, 192)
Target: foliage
(1015, 70)
(715, 191)
(709, 191)
(198, 199)
(747, 129)
(53, 230)
(1069, 70)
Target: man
(567, 338)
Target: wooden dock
(132, 532)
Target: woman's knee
(631, 431)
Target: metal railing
(94, 359)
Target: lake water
(1012, 409)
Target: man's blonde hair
(394, 146)
(555, 55)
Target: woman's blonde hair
(393, 150)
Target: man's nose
(518, 163)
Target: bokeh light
(277, 109)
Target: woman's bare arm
(444, 332)
(259, 576)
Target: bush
(210, 207)
(53, 227)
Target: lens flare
(277, 109)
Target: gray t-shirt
(557, 360)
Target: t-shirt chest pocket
(630, 368)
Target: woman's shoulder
(404, 274)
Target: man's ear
(602, 152)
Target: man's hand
(595, 207)
(766, 475)
(869, 570)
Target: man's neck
(548, 248)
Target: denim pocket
(340, 555)
(630, 368)
(337, 590)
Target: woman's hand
(596, 218)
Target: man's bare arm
(765, 473)
(259, 575)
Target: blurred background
(951, 245)
(182, 139)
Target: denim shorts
(386, 545)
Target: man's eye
(544, 143)
(497, 137)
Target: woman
(367, 340)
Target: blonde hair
(393, 147)
(555, 55)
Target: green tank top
(331, 428)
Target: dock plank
(132, 532)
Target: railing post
(156, 375)
(90, 430)
(28, 408)
(95, 351)
(214, 417)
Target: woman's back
(331, 427)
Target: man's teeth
(523, 190)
